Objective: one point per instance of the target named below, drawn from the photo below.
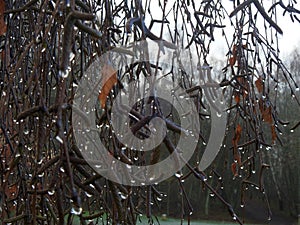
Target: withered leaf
(259, 85)
(109, 77)
(2, 22)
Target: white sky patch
(287, 42)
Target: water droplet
(72, 56)
(242, 205)
(153, 130)
(51, 192)
(63, 74)
(58, 138)
(269, 218)
(41, 175)
(178, 175)
(211, 194)
(76, 210)
(62, 169)
(88, 194)
(292, 131)
(26, 132)
(123, 196)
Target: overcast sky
(291, 31)
(291, 34)
(287, 42)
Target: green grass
(171, 221)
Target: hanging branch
(260, 9)
(67, 38)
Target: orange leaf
(234, 52)
(2, 22)
(109, 78)
(267, 115)
(274, 135)
(259, 85)
(11, 191)
(234, 169)
(237, 98)
(237, 135)
(266, 112)
(232, 61)
(237, 158)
